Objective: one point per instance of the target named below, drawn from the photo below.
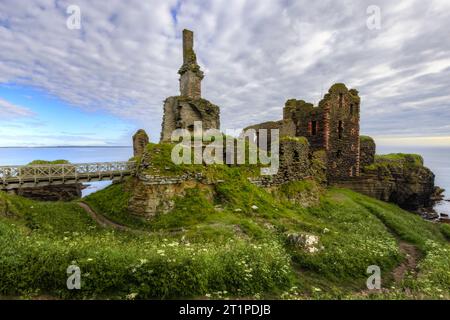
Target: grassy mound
(396, 160)
(37, 162)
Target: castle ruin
(180, 112)
(332, 126)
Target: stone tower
(180, 112)
(190, 74)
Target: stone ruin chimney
(191, 75)
(180, 112)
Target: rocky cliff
(398, 178)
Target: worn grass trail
(409, 265)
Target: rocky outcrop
(67, 192)
(149, 198)
(306, 242)
(397, 178)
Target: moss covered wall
(367, 151)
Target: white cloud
(12, 111)
(256, 54)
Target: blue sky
(52, 122)
(99, 84)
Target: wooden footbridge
(29, 176)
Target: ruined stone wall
(267, 126)
(332, 126)
(308, 121)
(181, 113)
(294, 160)
(295, 163)
(367, 151)
(140, 140)
(190, 84)
(342, 131)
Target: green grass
(112, 202)
(366, 139)
(396, 160)
(158, 156)
(445, 229)
(34, 258)
(302, 140)
(37, 162)
(50, 218)
(232, 238)
(355, 231)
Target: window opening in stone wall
(313, 128)
(296, 156)
(340, 129)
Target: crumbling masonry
(332, 126)
(180, 112)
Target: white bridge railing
(62, 172)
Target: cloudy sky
(98, 84)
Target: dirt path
(101, 220)
(409, 264)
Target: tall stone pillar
(190, 73)
(181, 112)
(140, 141)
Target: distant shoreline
(65, 147)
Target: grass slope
(220, 248)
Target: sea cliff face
(397, 178)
